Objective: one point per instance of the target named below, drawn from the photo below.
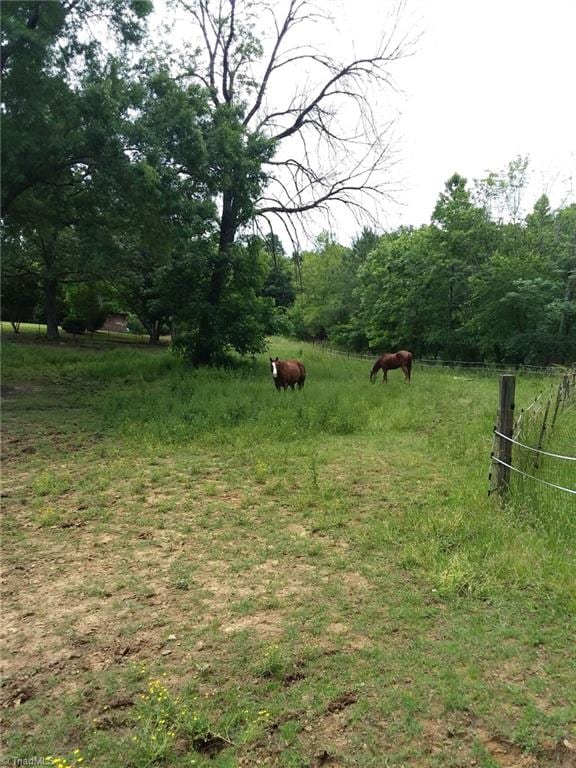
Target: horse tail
(375, 369)
(302, 376)
(409, 365)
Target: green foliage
(244, 315)
(120, 175)
(396, 308)
(61, 100)
(20, 297)
(328, 279)
(86, 305)
(279, 281)
(466, 287)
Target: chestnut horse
(287, 373)
(389, 362)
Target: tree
(325, 301)
(20, 297)
(565, 229)
(60, 101)
(279, 282)
(501, 193)
(155, 204)
(45, 45)
(397, 309)
(462, 239)
(263, 173)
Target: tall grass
(423, 449)
(550, 509)
(24, 362)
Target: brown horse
(287, 373)
(389, 362)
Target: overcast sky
(488, 80)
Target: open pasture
(200, 570)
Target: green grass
(551, 425)
(200, 570)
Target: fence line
(531, 448)
(532, 477)
(538, 370)
(532, 425)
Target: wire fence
(486, 369)
(538, 460)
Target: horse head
(274, 367)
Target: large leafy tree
(155, 206)
(45, 47)
(60, 105)
(523, 302)
(396, 309)
(462, 239)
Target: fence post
(558, 401)
(541, 436)
(504, 425)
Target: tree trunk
(209, 340)
(50, 307)
(154, 332)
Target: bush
(73, 325)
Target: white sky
(488, 80)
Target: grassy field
(200, 571)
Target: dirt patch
(267, 624)
(297, 530)
(328, 740)
(503, 752)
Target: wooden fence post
(541, 436)
(504, 425)
(558, 401)
(566, 387)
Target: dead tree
(331, 145)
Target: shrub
(73, 325)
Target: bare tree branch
(331, 144)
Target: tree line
(479, 283)
(156, 182)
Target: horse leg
(385, 377)
(406, 371)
